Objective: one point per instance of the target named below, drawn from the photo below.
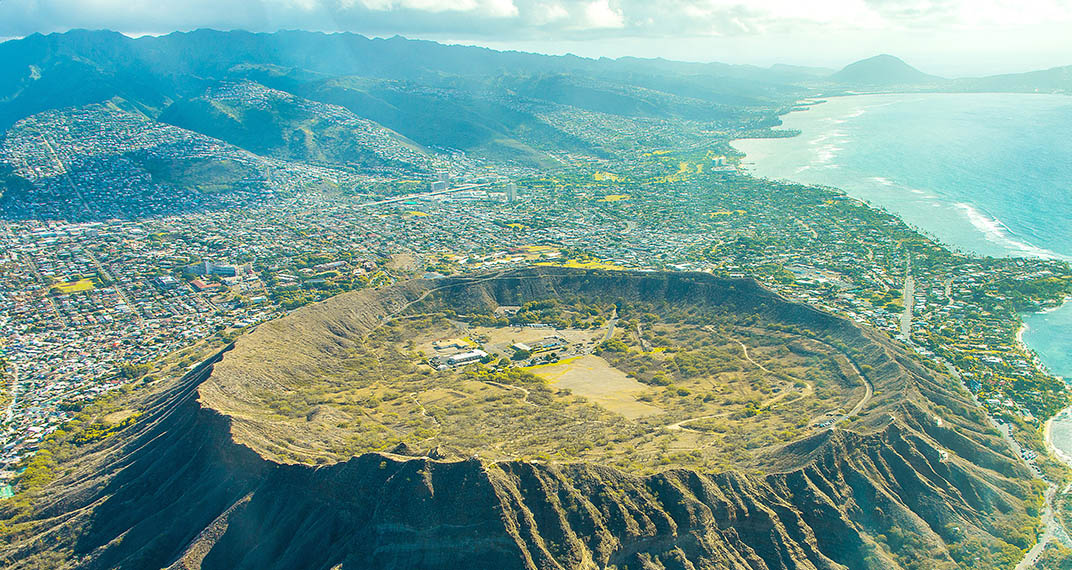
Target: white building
(466, 357)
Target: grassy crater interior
(635, 380)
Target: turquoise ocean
(989, 174)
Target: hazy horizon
(951, 38)
(630, 49)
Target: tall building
(511, 192)
(439, 186)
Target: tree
(132, 371)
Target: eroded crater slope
(610, 419)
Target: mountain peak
(882, 70)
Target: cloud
(528, 17)
(502, 9)
(600, 14)
(548, 13)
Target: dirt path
(809, 388)
(610, 325)
(524, 391)
(869, 392)
(748, 357)
(644, 344)
(424, 412)
(681, 425)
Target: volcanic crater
(546, 418)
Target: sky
(945, 37)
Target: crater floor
(634, 380)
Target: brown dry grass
(593, 378)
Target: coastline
(1064, 456)
(830, 132)
(751, 162)
(987, 229)
(1061, 456)
(1066, 303)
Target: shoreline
(1048, 437)
(810, 104)
(1065, 303)
(750, 165)
(980, 223)
(1061, 455)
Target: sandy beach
(1023, 325)
(1064, 457)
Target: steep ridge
(188, 488)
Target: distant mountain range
(1054, 80)
(448, 97)
(356, 106)
(378, 106)
(889, 73)
(42, 72)
(78, 67)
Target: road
(1052, 528)
(1050, 532)
(909, 299)
(610, 325)
(868, 394)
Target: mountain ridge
(446, 104)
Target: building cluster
(78, 301)
(542, 345)
(457, 359)
(100, 162)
